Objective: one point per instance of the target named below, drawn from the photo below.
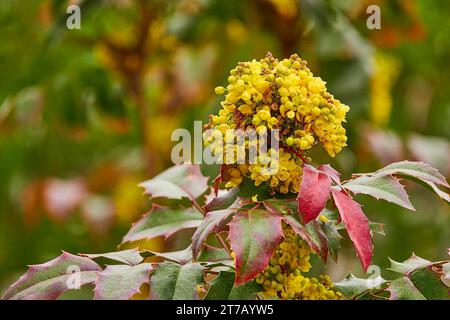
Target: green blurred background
(87, 114)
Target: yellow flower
(283, 277)
(219, 90)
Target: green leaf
(181, 257)
(171, 281)
(224, 201)
(352, 286)
(49, 280)
(213, 254)
(403, 289)
(429, 283)
(248, 189)
(121, 282)
(130, 257)
(162, 221)
(254, 236)
(406, 267)
(380, 187)
(211, 221)
(222, 288)
(419, 170)
(178, 182)
(333, 238)
(441, 194)
(422, 278)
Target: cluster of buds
(284, 95)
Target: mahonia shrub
(256, 229)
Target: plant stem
(294, 152)
(223, 243)
(198, 207)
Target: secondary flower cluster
(284, 95)
(283, 277)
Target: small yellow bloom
(219, 90)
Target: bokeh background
(85, 115)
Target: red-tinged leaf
(419, 170)
(49, 280)
(381, 187)
(254, 236)
(178, 182)
(314, 193)
(130, 257)
(312, 234)
(332, 173)
(121, 282)
(357, 226)
(223, 201)
(162, 221)
(211, 221)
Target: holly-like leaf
(130, 257)
(49, 280)
(222, 288)
(419, 170)
(428, 281)
(380, 187)
(178, 182)
(406, 267)
(171, 281)
(403, 289)
(312, 234)
(357, 226)
(352, 286)
(211, 221)
(254, 236)
(121, 282)
(422, 280)
(162, 221)
(181, 257)
(314, 193)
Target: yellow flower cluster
(271, 94)
(286, 179)
(283, 277)
(383, 79)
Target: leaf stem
(223, 243)
(198, 207)
(297, 154)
